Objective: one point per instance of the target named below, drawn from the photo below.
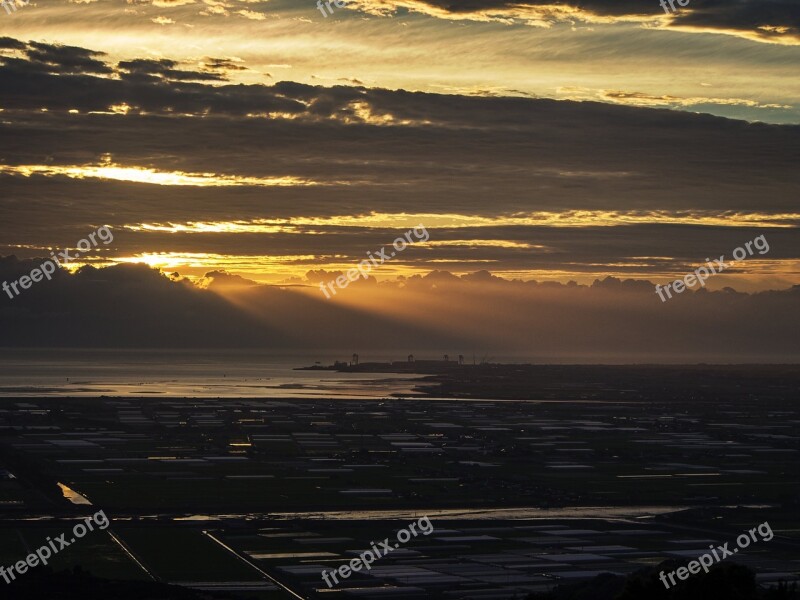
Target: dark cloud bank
(767, 19)
(135, 306)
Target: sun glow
(149, 176)
(569, 218)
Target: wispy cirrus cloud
(662, 100)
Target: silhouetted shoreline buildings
(410, 365)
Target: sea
(32, 372)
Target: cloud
(774, 21)
(165, 86)
(664, 100)
(111, 171)
(165, 68)
(133, 306)
(171, 3)
(252, 15)
(66, 59)
(223, 64)
(12, 44)
(94, 298)
(271, 181)
(642, 99)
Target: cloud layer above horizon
(271, 181)
(572, 148)
(132, 306)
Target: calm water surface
(206, 374)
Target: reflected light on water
(73, 496)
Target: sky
(560, 155)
